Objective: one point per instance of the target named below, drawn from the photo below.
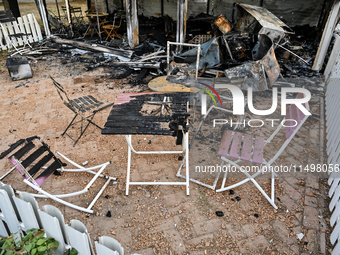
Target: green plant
(33, 243)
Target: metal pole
(68, 13)
(44, 18)
(56, 2)
(100, 34)
(182, 8)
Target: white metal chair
(245, 147)
(32, 157)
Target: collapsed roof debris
(254, 51)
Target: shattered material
(254, 73)
(223, 24)
(272, 26)
(18, 68)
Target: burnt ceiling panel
(294, 12)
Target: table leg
(128, 139)
(186, 140)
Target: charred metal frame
(183, 44)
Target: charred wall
(290, 11)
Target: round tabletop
(160, 84)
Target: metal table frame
(185, 146)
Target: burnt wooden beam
(13, 6)
(208, 5)
(182, 9)
(152, 65)
(98, 48)
(132, 22)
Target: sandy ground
(163, 220)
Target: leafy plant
(33, 243)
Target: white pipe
(57, 199)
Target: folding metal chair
(86, 107)
(245, 147)
(36, 163)
(112, 29)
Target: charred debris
(254, 49)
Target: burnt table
(128, 117)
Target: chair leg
(251, 178)
(81, 131)
(69, 125)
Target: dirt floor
(162, 219)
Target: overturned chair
(86, 107)
(35, 162)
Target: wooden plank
(326, 36)
(3, 230)
(112, 244)
(8, 213)
(37, 28)
(236, 146)
(52, 229)
(335, 234)
(3, 46)
(335, 199)
(32, 26)
(17, 31)
(225, 143)
(78, 241)
(333, 57)
(22, 28)
(26, 213)
(258, 150)
(247, 147)
(102, 250)
(335, 215)
(28, 29)
(10, 30)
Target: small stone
(238, 198)
(256, 215)
(219, 213)
(108, 214)
(231, 192)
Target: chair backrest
(295, 117)
(29, 156)
(62, 93)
